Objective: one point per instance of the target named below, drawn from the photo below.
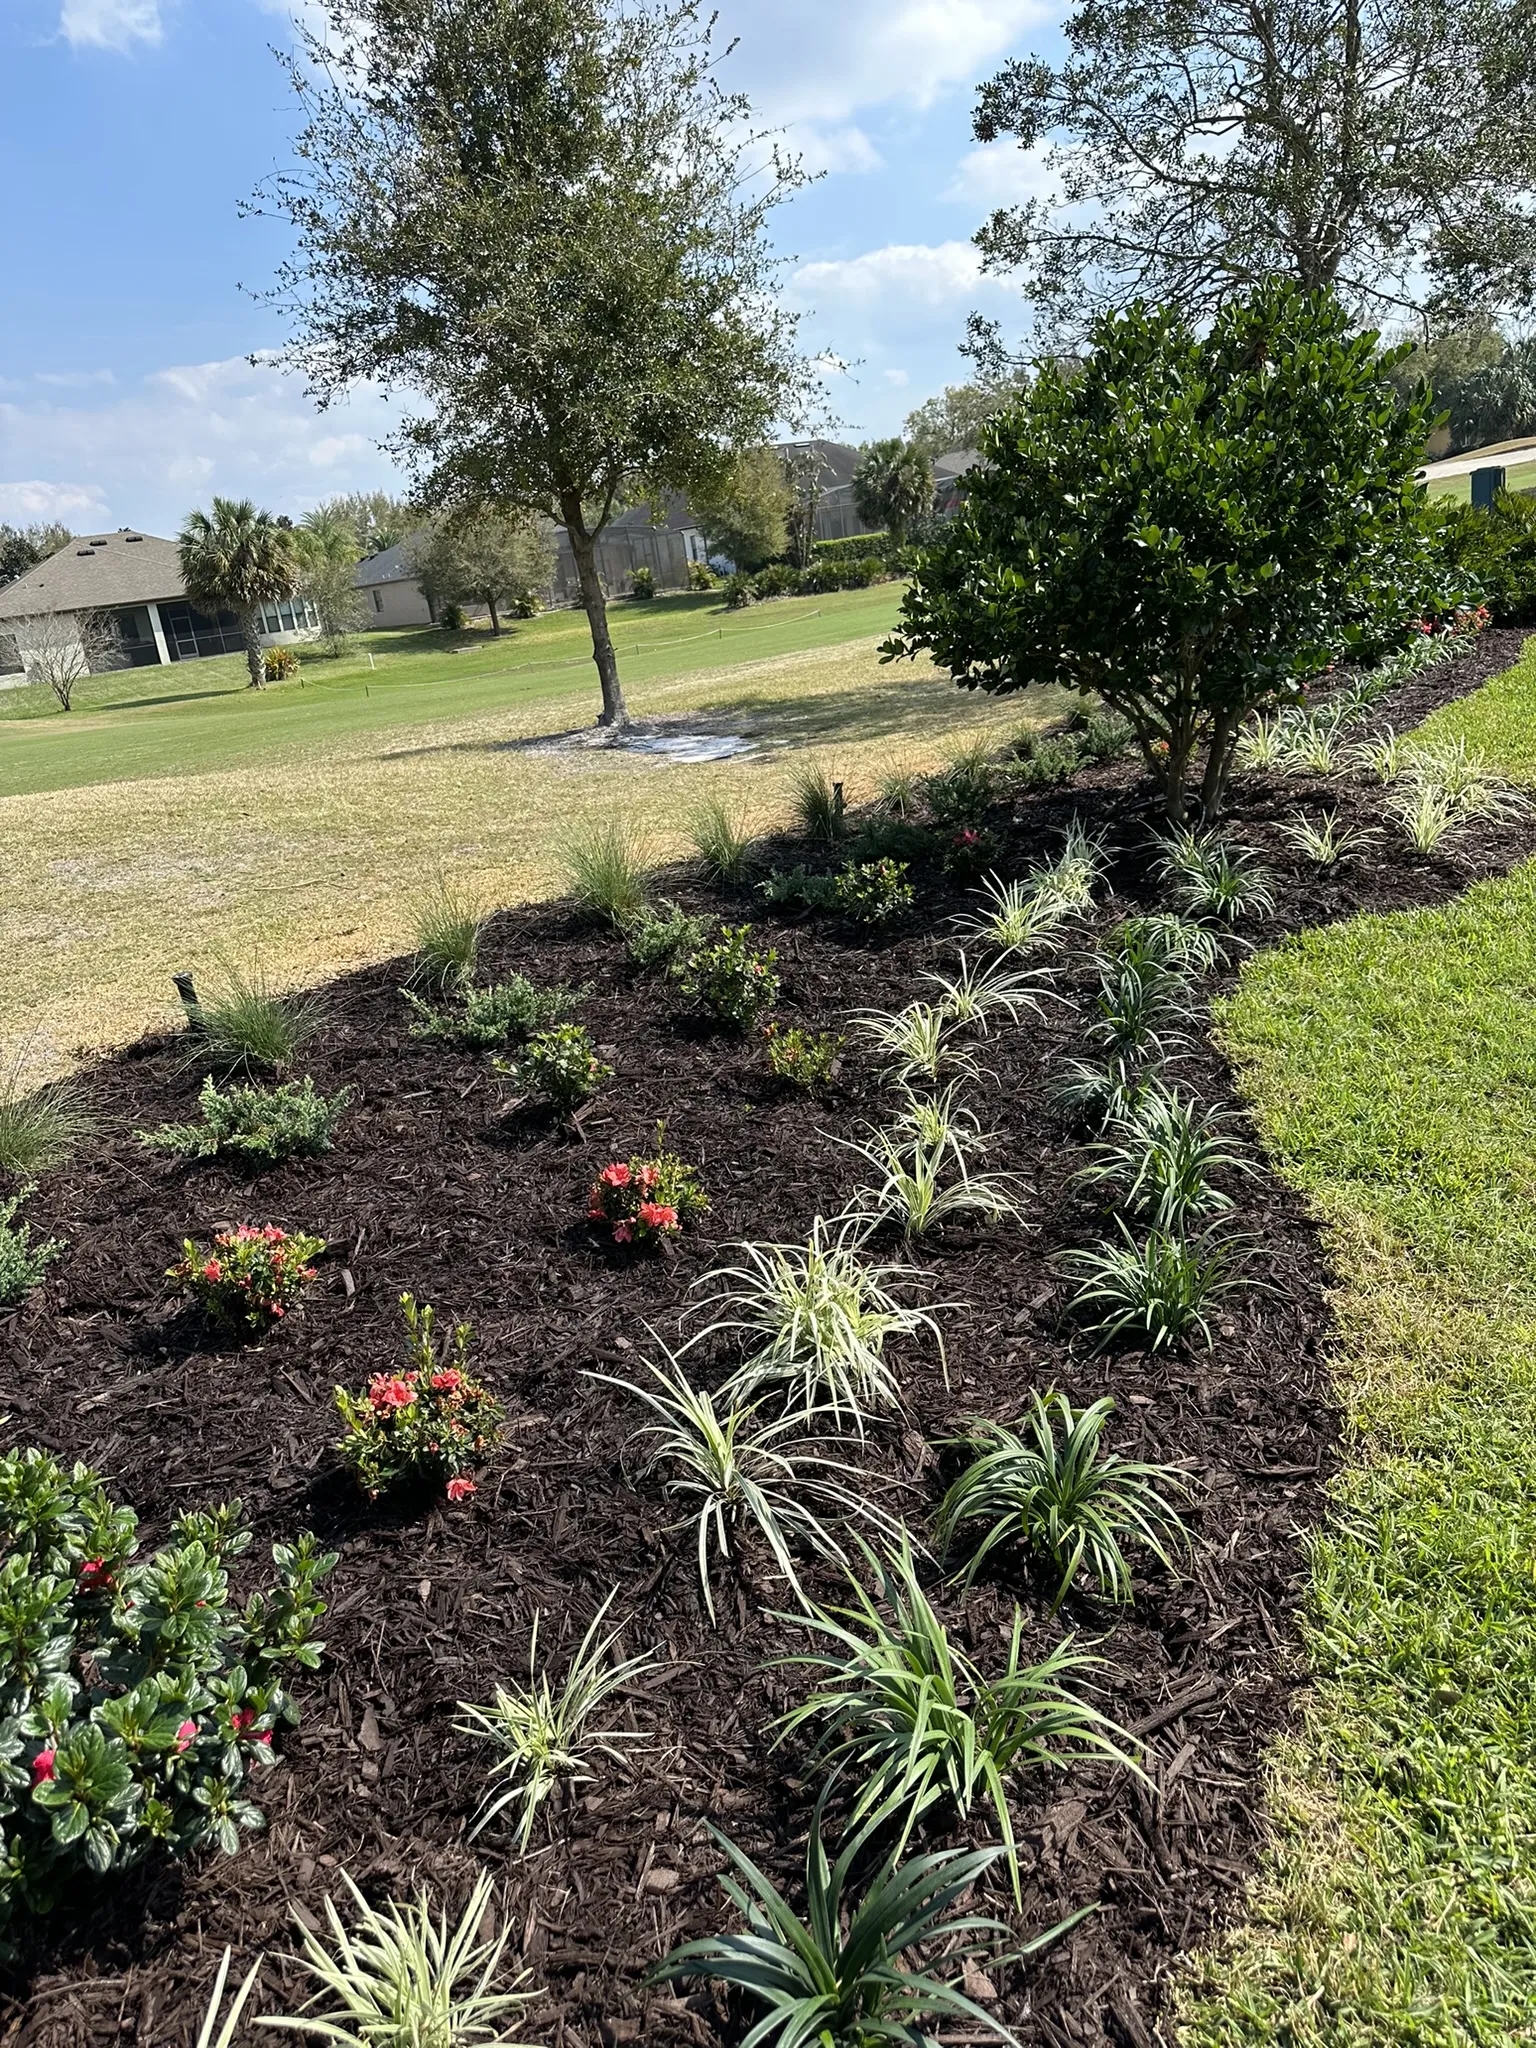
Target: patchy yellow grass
(306, 865)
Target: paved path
(1485, 458)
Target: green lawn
(198, 716)
(1519, 476)
(1392, 1064)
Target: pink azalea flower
(42, 1766)
(387, 1392)
(460, 1489)
(186, 1735)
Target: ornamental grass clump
(646, 1198)
(805, 1059)
(1015, 918)
(39, 1127)
(559, 1069)
(816, 1318)
(1326, 842)
(1058, 1492)
(846, 1976)
(732, 979)
(973, 996)
(607, 871)
(250, 1278)
(1159, 1290)
(398, 1978)
(490, 1019)
(447, 922)
(924, 1177)
(1211, 878)
(541, 1730)
(734, 1471)
(245, 1028)
(22, 1263)
(136, 1698)
(255, 1127)
(920, 1042)
(427, 1424)
(818, 804)
(1158, 1161)
(723, 842)
(915, 1721)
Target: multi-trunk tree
(542, 221)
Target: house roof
(389, 565)
(126, 567)
(954, 464)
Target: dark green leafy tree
(544, 221)
(893, 485)
(236, 559)
(746, 515)
(23, 547)
(1385, 149)
(377, 518)
(956, 417)
(1483, 383)
(497, 559)
(1189, 528)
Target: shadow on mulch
(432, 1190)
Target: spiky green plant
(446, 921)
(39, 1125)
(245, 1028)
(1326, 842)
(224, 2038)
(734, 1469)
(1158, 1160)
(915, 1720)
(817, 803)
(1314, 744)
(1015, 918)
(607, 870)
(540, 1730)
(722, 839)
(1382, 758)
(836, 1979)
(973, 996)
(1139, 1012)
(1158, 1289)
(900, 791)
(1158, 942)
(1070, 880)
(1425, 813)
(921, 1042)
(816, 1317)
(1261, 745)
(1107, 1091)
(1211, 878)
(919, 1185)
(398, 1978)
(1055, 1489)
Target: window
(378, 601)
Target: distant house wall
(399, 602)
(621, 551)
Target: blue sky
(135, 127)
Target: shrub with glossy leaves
(806, 1059)
(663, 937)
(426, 1424)
(874, 891)
(250, 1278)
(559, 1069)
(136, 1698)
(731, 978)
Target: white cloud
(898, 378)
(845, 148)
(109, 24)
(910, 274)
(1001, 174)
(77, 505)
(803, 60)
(145, 453)
(73, 380)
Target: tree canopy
(237, 559)
(326, 550)
(1385, 149)
(746, 515)
(1189, 527)
(893, 485)
(23, 547)
(1483, 383)
(492, 558)
(376, 519)
(543, 220)
(955, 418)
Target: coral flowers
(643, 1200)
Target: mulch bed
(433, 1189)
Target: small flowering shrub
(425, 1425)
(559, 1068)
(730, 979)
(255, 1126)
(970, 851)
(22, 1263)
(489, 1019)
(136, 1700)
(874, 891)
(251, 1278)
(640, 1200)
(806, 1059)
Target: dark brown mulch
(432, 1189)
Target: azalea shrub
(806, 1059)
(644, 1199)
(425, 1425)
(137, 1699)
(874, 891)
(970, 850)
(559, 1069)
(22, 1263)
(255, 1127)
(251, 1277)
(731, 979)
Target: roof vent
(85, 551)
(131, 537)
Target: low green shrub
(645, 1198)
(250, 1278)
(642, 584)
(801, 885)
(255, 1126)
(136, 1699)
(806, 1059)
(491, 1019)
(739, 591)
(779, 579)
(1046, 762)
(453, 618)
(873, 892)
(559, 1069)
(962, 793)
(22, 1263)
(425, 1425)
(661, 939)
(731, 979)
(702, 577)
(1496, 550)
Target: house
(828, 467)
(390, 592)
(122, 596)
(949, 479)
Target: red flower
(387, 1392)
(241, 1719)
(447, 1381)
(658, 1215)
(94, 1576)
(42, 1766)
(213, 1270)
(615, 1176)
(460, 1489)
(186, 1735)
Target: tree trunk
(595, 605)
(1212, 788)
(490, 603)
(250, 628)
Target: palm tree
(237, 561)
(893, 485)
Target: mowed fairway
(289, 830)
